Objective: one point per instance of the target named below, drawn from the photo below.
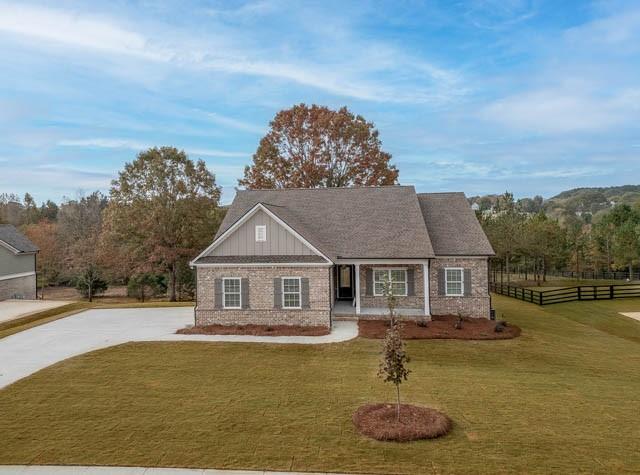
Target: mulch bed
(255, 330)
(441, 327)
(378, 421)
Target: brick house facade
(307, 256)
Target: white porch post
(357, 270)
(425, 278)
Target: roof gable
(346, 223)
(238, 239)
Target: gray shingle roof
(259, 259)
(14, 238)
(453, 227)
(360, 222)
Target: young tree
(162, 210)
(315, 147)
(89, 283)
(393, 367)
(146, 285)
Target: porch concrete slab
(17, 308)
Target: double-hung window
(231, 291)
(454, 281)
(291, 290)
(397, 279)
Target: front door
(345, 282)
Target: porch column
(357, 299)
(425, 278)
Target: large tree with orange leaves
(316, 147)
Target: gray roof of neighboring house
(349, 223)
(453, 227)
(14, 238)
(259, 259)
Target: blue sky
(481, 96)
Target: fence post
(595, 293)
(611, 292)
(579, 293)
(541, 300)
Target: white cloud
(226, 51)
(138, 146)
(563, 111)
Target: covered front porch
(356, 288)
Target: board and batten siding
(11, 263)
(279, 240)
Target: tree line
(533, 244)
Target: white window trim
(406, 279)
(224, 293)
(446, 282)
(299, 292)
(261, 228)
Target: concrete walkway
(79, 470)
(31, 350)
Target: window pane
(399, 288)
(454, 288)
(232, 300)
(232, 285)
(454, 275)
(291, 300)
(398, 275)
(379, 288)
(380, 275)
(291, 285)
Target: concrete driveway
(31, 350)
(12, 309)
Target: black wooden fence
(567, 294)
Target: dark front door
(345, 282)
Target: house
(308, 256)
(17, 264)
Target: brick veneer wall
(21, 287)
(475, 305)
(369, 301)
(261, 311)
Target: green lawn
(562, 398)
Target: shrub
(90, 284)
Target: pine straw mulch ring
(441, 327)
(256, 330)
(378, 421)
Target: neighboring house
(17, 264)
(307, 256)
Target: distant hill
(586, 202)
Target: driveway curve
(31, 350)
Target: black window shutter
(369, 279)
(304, 292)
(244, 289)
(467, 282)
(411, 286)
(277, 293)
(441, 282)
(217, 293)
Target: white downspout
(425, 278)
